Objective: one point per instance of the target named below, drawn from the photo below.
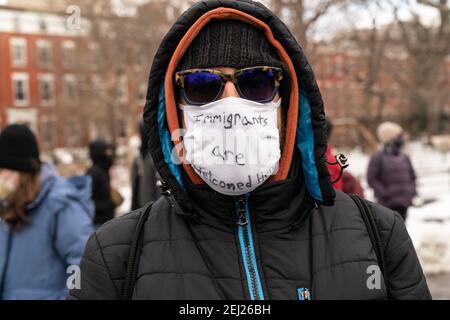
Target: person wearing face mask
(237, 133)
(390, 172)
(102, 157)
(45, 220)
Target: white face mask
(233, 144)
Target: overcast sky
(357, 16)
(362, 17)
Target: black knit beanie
(229, 43)
(234, 44)
(19, 149)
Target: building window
(42, 25)
(20, 82)
(73, 132)
(18, 51)
(69, 53)
(46, 89)
(48, 131)
(44, 50)
(70, 88)
(27, 116)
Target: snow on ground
(428, 224)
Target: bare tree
(400, 66)
(371, 45)
(302, 15)
(117, 60)
(427, 47)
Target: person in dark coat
(232, 227)
(102, 156)
(143, 175)
(390, 172)
(352, 185)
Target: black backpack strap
(374, 234)
(135, 253)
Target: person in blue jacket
(45, 221)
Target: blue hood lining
(304, 142)
(165, 138)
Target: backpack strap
(373, 232)
(135, 253)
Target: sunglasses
(202, 86)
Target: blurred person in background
(347, 183)
(45, 220)
(104, 197)
(390, 172)
(143, 175)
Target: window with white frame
(20, 85)
(46, 89)
(44, 51)
(72, 132)
(18, 49)
(69, 53)
(70, 88)
(48, 131)
(43, 25)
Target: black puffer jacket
(288, 237)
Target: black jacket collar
(273, 206)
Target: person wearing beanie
(19, 149)
(45, 220)
(388, 132)
(390, 172)
(237, 133)
(102, 157)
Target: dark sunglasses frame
(180, 77)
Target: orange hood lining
(171, 106)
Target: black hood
(309, 133)
(102, 154)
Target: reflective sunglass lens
(202, 87)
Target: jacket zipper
(247, 248)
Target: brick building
(38, 78)
(342, 72)
(48, 76)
